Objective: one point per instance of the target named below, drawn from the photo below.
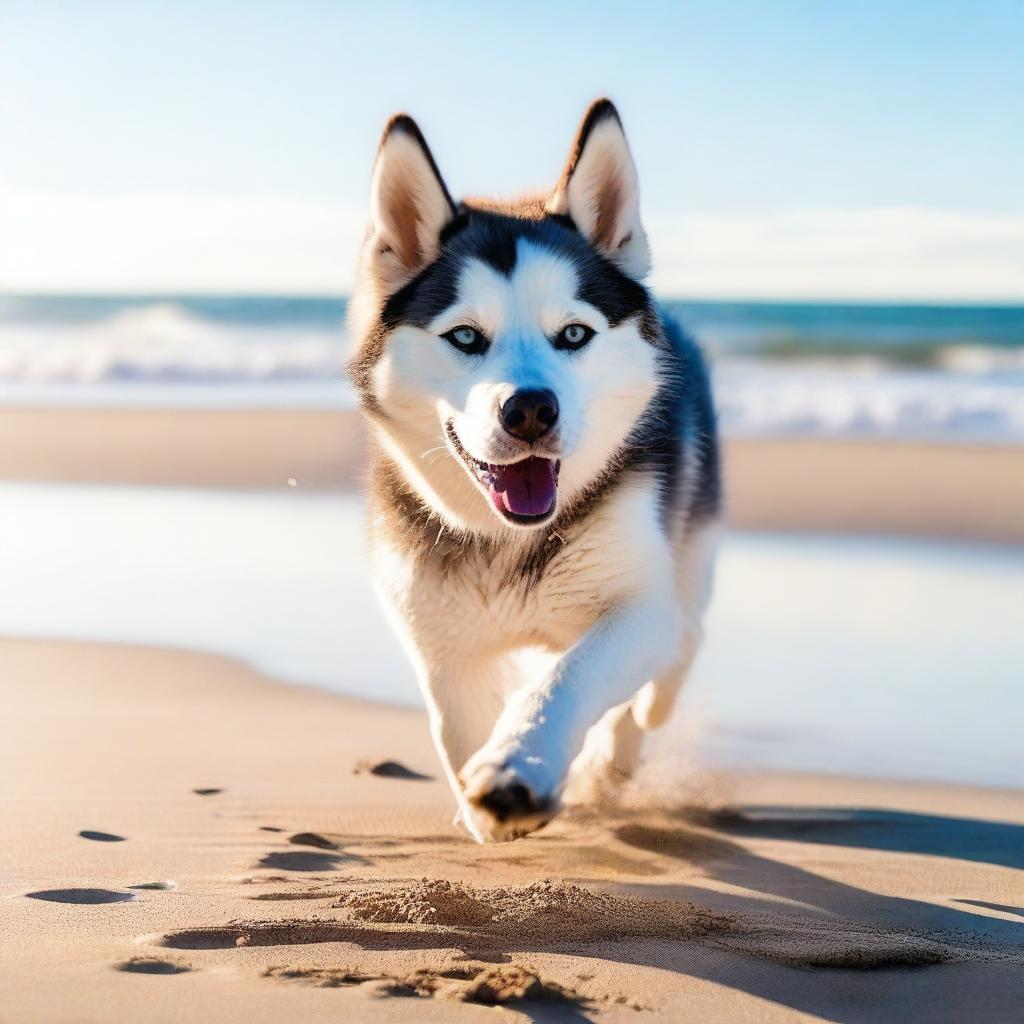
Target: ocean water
(850, 655)
(947, 372)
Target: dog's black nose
(530, 413)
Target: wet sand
(866, 486)
(185, 839)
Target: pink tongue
(524, 488)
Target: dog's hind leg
(695, 561)
(653, 704)
(609, 758)
(625, 742)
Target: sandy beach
(842, 485)
(184, 839)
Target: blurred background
(835, 199)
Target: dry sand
(865, 486)
(186, 840)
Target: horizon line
(738, 299)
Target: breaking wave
(843, 371)
(759, 398)
(164, 342)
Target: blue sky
(817, 149)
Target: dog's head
(504, 352)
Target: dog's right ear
(409, 204)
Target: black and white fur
(545, 643)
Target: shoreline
(855, 485)
(301, 886)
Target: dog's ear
(598, 190)
(409, 204)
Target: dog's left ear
(599, 191)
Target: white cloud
(883, 253)
(174, 243)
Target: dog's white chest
(546, 596)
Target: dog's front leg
(464, 699)
(512, 785)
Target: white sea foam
(163, 342)
(755, 397)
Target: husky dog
(544, 483)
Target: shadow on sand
(987, 842)
(977, 991)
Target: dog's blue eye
(573, 336)
(466, 339)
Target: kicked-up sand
(183, 839)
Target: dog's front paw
(506, 798)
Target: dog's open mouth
(521, 491)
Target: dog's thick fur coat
(544, 486)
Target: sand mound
(428, 901)
(544, 912)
